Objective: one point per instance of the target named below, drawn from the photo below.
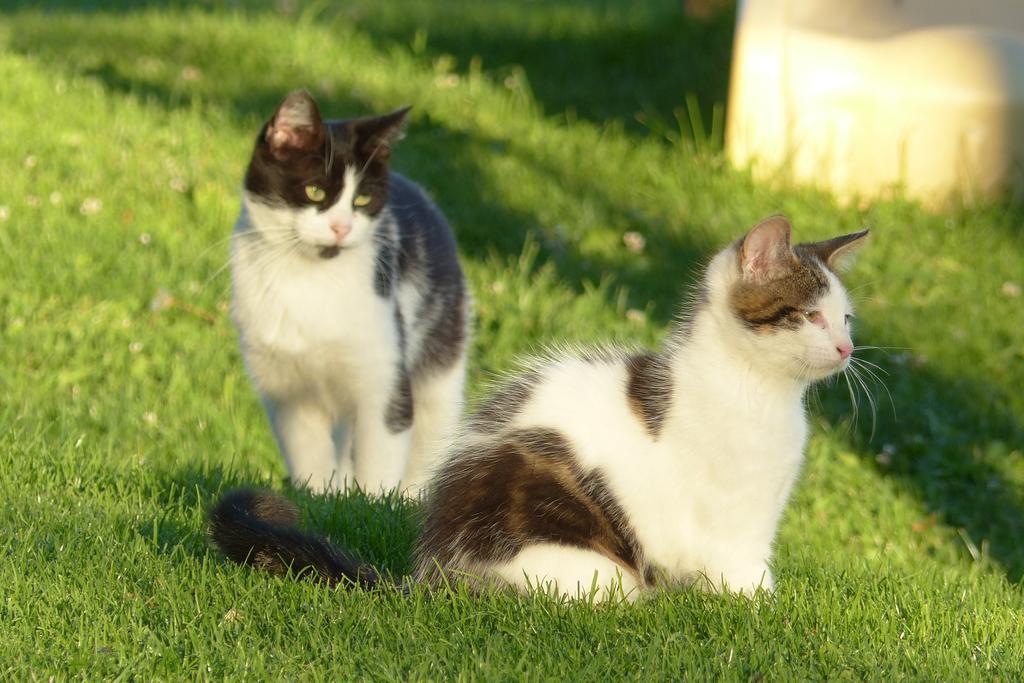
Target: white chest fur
(306, 322)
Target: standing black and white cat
(623, 470)
(349, 300)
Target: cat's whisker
(269, 236)
(853, 401)
(854, 390)
(852, 370)
(876, 366)
(863, 285)
(857, 294)
(266, 253)
(217, 244)
(268, 250)
(329, 156)
(880, 348)
(373, 154)
(868, 366)
(215, 274)
(271, 278)
(262, 250)
(813, 391)
(874, 407)
(877, 379)
(869, 372)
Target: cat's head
(319, 184)
(787, 310)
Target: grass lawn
(546, 131)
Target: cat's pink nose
(844, 349)
(340, 230)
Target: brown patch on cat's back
(649, 389)
(526, 488)
(502, 407)
(781, 302)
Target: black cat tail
(258, 528)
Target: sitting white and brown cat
(623, 470)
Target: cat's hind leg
(437, 406)
(569, 571)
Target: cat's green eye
(362, 200)
(814, 317)
(315, 193)
(848, 318)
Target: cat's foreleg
(303, 432)
(438, 401)
(342, 435)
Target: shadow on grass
(445, 161)
(379, 530)
(946, 439)
(950, 431)
(625, 61)
(627, 58)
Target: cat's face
(319, 185)
(793, 312)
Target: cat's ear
(838, 253)
(376, 136)
(296, 125)
(765, 253)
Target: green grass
(125, 408)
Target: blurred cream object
(862, 96)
